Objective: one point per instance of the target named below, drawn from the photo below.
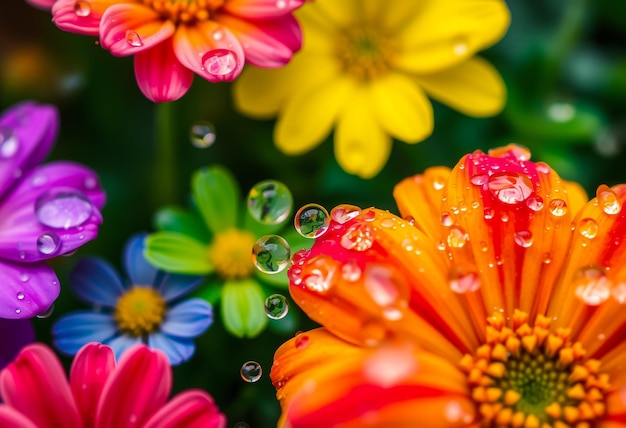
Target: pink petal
(269, 43)
(191, 408)
(160, 76)
(129, 28)
(26, 289)
(80, 16)
(41, 4)
(261, 9)
(9, 417)
(209, 50)
(35, 385)
(90, 370)
(136, 389)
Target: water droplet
(218, 34)
(312, 221)
(547, 258)
(359, 237)
(459, 45)
(344, 213)
(446, 219)
(48, 243)
(8, 143)
(302, 341)
(219, 62)
(588, 228)
(510, 187)
(462, 281)
(133, 39)
(319, 277)
(20, 296)
(489, 213)
(276, 306)
(251, 371)
(47, 312)
(535, 203)
(270, 202)
(388, 223)
(479, 179)
(82, 9)
(271, 254)
(542, 167)
(18, 311)
(457, 237)
(524, 238)
(619, 293)
(608, 200)
(557, 207)
(62, 209)
(202, 134)
(369, 215)
(351, 271)
(384, 286)
(439, 183)
(281, 4)
(516, 151)
(592, 285)
(24, 277)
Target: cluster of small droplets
(527, 375)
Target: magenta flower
(45, 210)
(172, 40)
(99, 393)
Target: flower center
(185, 11)
(140, 311)
(231, 254)
(529, 376)
(365, 53)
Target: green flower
(214, 237)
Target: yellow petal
(473, 87)
(402, 108)
(338, 14)
(362, 146)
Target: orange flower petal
(82, 17)
(261, 9)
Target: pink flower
(99, 394)
(172, 40)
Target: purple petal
(176, 350)
(137, 267)
(96, 281)
(73, 331)
(188, 319)
(121, 343)
(14, 334)
(26, 289)
(27, 132)
(171, 286)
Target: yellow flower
(368, 66)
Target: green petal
(175, 252)
(217, 195)
(187, 222)
(243, 311)
(296, 242)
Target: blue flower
(145, 308)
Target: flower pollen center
(140, 311)
(529, 376)
(185, 11)
(231, 254)
(364, 53)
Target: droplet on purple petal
(62, 209)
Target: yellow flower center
(185, 11)
(531, 377)
(140, 311)
(231, 254)
(364, 52)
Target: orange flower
(495, 301)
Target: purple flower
(145, 308)
(14, 335)
(45, 210)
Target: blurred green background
(564, 62)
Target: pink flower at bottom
(99, 393)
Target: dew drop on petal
(218, 34)
(358, 237)
(219, 62)
(588, 228)
(439, 183)
(281, 4)
(516, 151)
(271, 254)
(479, 179)
(47, 312)
(133, 39)
(48, 243)
(542, 167)
(63, 209)
(302, 341)
(276, 306)
(24, 277)
(459, 46)
(535, 203)
(82, 9)
(20, 296)
(510, 187)
(608, 200)
(319, 278)
(269, 202)
(344, 213)
(457, 237)
(351, 271)
(462, 281)
(489, 213)
(18, 311)
(446, 219)
(384, 286)
(557, 207)
(312, 221)
(592, 285)
(202, 135)
(8, 143)
(619, 293)
(524, 238)
(251, 371)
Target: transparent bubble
(276, 306)
(8, 143)
(202, 134)
(48, 243)
(270, 202)
(251, 371)
(312, 221)
(271, 253)
(219, 62)
(63, 209)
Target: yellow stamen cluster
(231, 254)
(528, 376)
(185, 11)
(364, 53)
(140, 311)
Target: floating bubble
(312, 221)
(48, 243)
(133, 39)
(219, 62)
(270, 202)
(251, 371)
(276, 306)
(63, 208)
(202, 134)
(8, 143)
(510, 187)
(271, 253)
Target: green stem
(164, 174)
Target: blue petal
(137, 267)
(121, 343)
(171, 286)
(188, 319)
(176, 350)
(96, 281)
(73, 331)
